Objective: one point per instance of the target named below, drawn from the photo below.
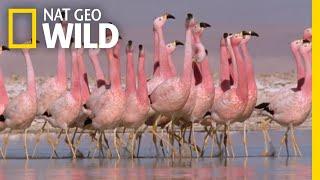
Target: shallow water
(253, 167)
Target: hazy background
(277, 21)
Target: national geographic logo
(81, 29)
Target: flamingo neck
(224, 69)
(75, 78)
(3, 92)
(234, 76)
(163, 56)
(142, 81)
(156, 71)
(130, 77)
(252, 86)
(30, 74)
(307, 86)
(187, 64)
(242, 86)
(206, 75)
(300, 67)
(171, 64)
(85, 91)
(114, 70)
(98, 71)
(61, 67)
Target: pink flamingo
(137, 102)
(171, 95)
(292, 109)
(21, 110)
(65, 110)
(164, 72)
(229, 106)
(4, 99)
(295, 45)
(109, 115)
(53, 87)
(307, 34)
(252, 87)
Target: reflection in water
(253, 167)
(140, 169)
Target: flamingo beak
(178, 43)
(305, 41)
(204, 25)
(244, 33)
(225, 35)
(254, 34)
(140, 47)
(189, 16)
(169, 16)
(5, 48)
(207, 52)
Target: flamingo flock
(167, 100)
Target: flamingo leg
(213, 135)
(294, 141)
(168, 143)
(25, 143)
(194, 141)
(133, 144)
(37, 139)
(77, 143)
(154, 137)
(54, 144)
(245, 139)
(5, 143)
(97, 145)
(70, 144)
(93, 136)
(230, 141)
(205, 141)
(284, 140)
(107, 147)
(115, 142)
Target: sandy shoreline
(266, 83)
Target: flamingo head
(161, 20)
(295, 45)
(141, 51)
(199, 28)
(248, 37)
(29, 42)
(3, 48)
(190, 21)
(129, 48)
(305, 47)
(200, 53)
(171, 47)
(236, 39)
(223, 41)
(307, 34)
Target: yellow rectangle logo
(33, 13)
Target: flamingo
(307, 34)
(229, 106)
(252, 87)
(22, 109)
(160, 54)
(65, 110)
(186, 112)
(171, 95)
(294, 46)
(52, 88)
(293, 108)
(109, 115)
(4, 99)
(137, 102)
